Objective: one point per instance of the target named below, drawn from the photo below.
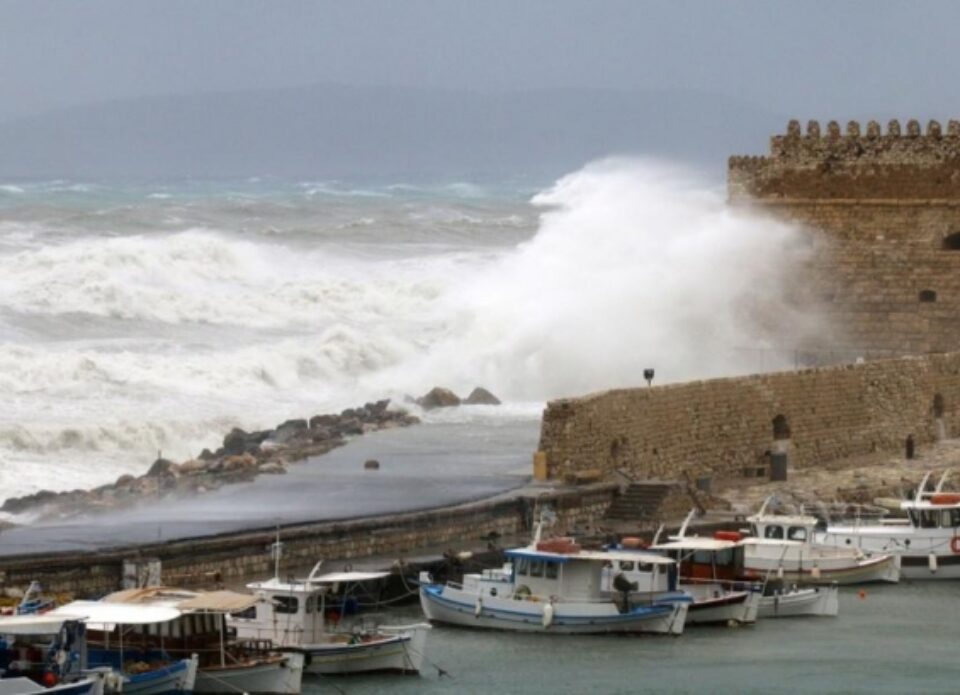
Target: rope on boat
(441, 672)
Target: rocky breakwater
(243, 456)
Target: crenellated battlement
(853, 162)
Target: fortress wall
(882, 208)
(721, 426)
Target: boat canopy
(100, 615)
(42, 624)
(218, 602)
(341, 577)
(590, 556)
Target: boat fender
(815, 572)
(547, 614)
(521, 592)
(932, 562)
(478, 609)
(113, 682)
(955, 545)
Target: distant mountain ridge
(336, 130)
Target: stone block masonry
(723, 426)
(235, 558)
(883, 212)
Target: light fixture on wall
(648, 375)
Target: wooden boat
(141, 669)
(44, 654)
(223, 665)
(926, 539)
(708, 571)
(296, 615)
(786, 545)
(556, 587)
(791, 601)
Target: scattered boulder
(371, 465)
(160, 467)
(438, 397)
(125, 480)
(480, 396)
(288, 430)
(275, 467)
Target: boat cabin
(46, 649)
(296, 612)
(586, 574)
(706, 558)
(782, 527)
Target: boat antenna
(763, 507)
(656, 536)
(943, 479)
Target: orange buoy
(632, 543)
(945, 498)
(862, 594)
(49, 679)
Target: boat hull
(174, 679)
(282, 676)
(885, 568)
(442, 605)
(810, 602)
(25, 686)
(399, 652)
(737, 607)
(912, 546)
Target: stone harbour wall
(240, 557)
(720, 427)
(882, 210)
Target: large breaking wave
(120, 342)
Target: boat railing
(731, 584)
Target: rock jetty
(243, 456)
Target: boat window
(248, 614)
(797, 533)
(956, 517)
(703, 557)
(724, 557)
(773, 532)
(536, 568)
(946, 518)
(928, 519)
(644, 567)
(522, 565)
(552, 570)
(285, 604)
(627, 565)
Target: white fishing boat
(44, 654)
(294, 615)
(786, 545)
(926, 539)
(139, 669)
(227, 667)
(555, 586)
(780, 601)
(709, 570)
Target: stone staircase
(640, 502)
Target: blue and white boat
(45, 654)
(112, 643)
(555, 586)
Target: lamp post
(648, 375)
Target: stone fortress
(883, 212)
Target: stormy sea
(146, 317)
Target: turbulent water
(138, 318)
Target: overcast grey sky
(809, 58)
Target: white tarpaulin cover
(42, 624)
(103, 616)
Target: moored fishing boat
(709, 570)
(45, 654)
(223, 665)
(555, 586)
(926, 539)
(139, 669)
(786, 545)
(296, 615)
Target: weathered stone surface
(160, 467)
(480, 396)
(288, 430)
(438, 397)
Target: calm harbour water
(897, 639)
